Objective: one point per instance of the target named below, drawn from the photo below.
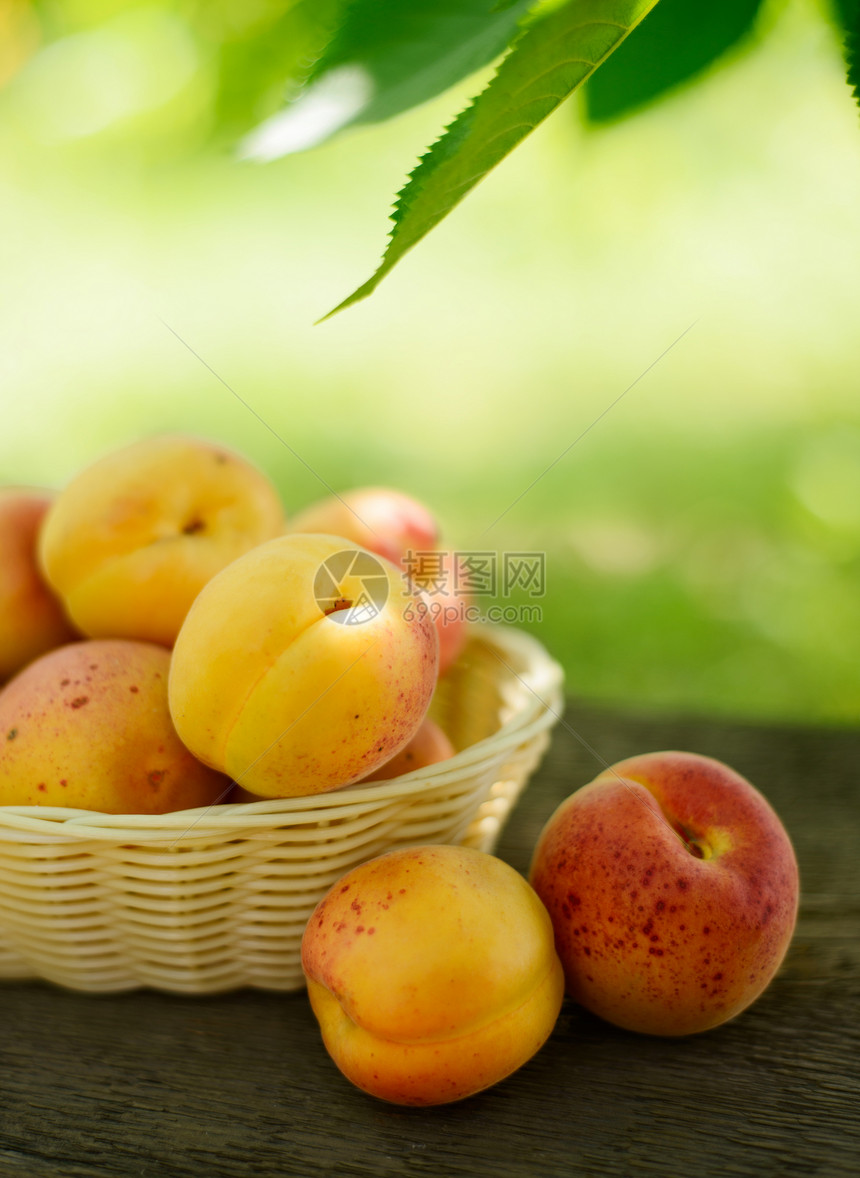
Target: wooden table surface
(150, 1084)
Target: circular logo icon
(351, 587)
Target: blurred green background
(702, 533)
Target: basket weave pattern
(202, 901)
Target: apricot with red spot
(429, 746)
(87, 727)
(673, 890)
(432, 973)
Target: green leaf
(849, 16)
(682, 38)
(385, 57)
(847, 13)
(548, 62)
(252, 65)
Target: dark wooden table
(148, 1084)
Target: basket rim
(520, 653)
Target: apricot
(380, 519)
(298, 670)
(32, 621)
(399, 528)
(427, 747)
(87, 727)
(673, 889)
(432, 973)
(448, 602)
(132, 540)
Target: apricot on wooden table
(673, 889)
(432, 973)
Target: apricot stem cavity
(697, 847)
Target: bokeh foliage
(703, 539)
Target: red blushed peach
(32, 621)
(301, 668)
(673, 889)
(432, 973)
(132, 540)
(87, 727)
(427, 747)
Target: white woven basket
(201, 901)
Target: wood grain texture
(145, 1084)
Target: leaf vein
(553, 70)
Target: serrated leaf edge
(400, 206)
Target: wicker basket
(207, 900)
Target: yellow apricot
(132, 540)
(87, 727)
(294, 681)
(432, 972)
(427, 747)
(32, 621)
